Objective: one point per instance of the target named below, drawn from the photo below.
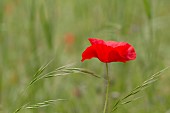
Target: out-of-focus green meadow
(32, 32)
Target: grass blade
(43, 104)
(38, 105)
(138, 89)
(148, 8)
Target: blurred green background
(32, 32)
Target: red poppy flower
(69, 39)
(109, 51)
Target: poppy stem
(107, 90)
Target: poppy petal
(89, 53)
(131, 54)
(126, 52)
(114, 56)
(99, 51)
(115, 44)
(109, 51)
(95, 41)
(103, 52)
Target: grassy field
(32, 32)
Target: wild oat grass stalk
(60, 71)
(138, 89)
(43, 104)
(38, 105)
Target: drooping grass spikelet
(38, 75)
(38, 105)
(19, 109)
(43, 104)
(42, 68)
(138, 89)
(60, 71)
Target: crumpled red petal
(89, 53)
(96, 41)
(109, 51)
(99, 51)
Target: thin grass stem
(107, 90)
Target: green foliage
(137, 90)
(33, 31)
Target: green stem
(107, 90)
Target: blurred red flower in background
(69, 42)
(109, 51)
(69, 39)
